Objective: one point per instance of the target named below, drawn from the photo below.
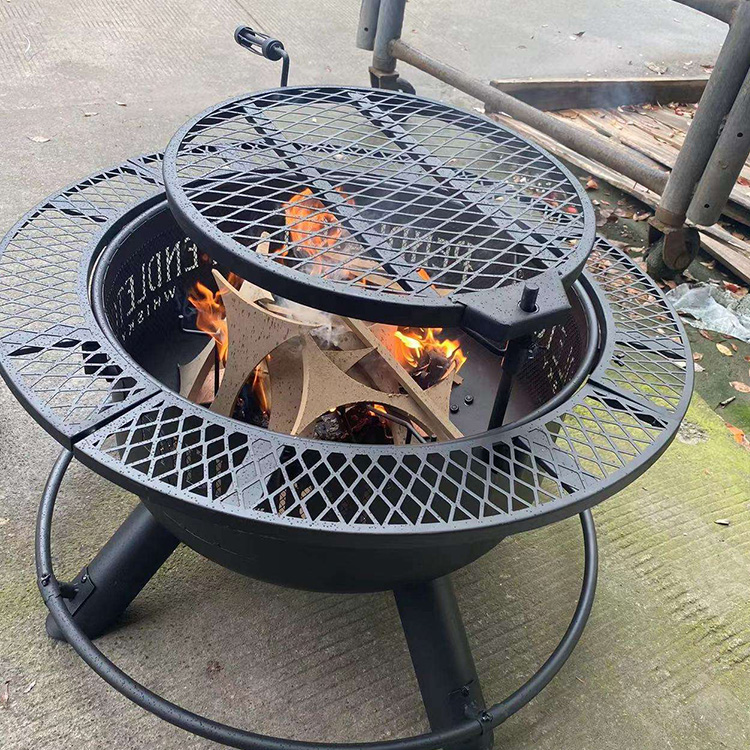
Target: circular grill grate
(407, 207)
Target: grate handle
(264, 46)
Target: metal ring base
(467, 730)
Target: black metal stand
(103, 589)
(442, 658)
(429, 613)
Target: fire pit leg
(104, 588)
(442, 658)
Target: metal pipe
(390, 22)
(721, 9)
(628, 162)
(721, 90)
(368, 24)
(441, 656)
(725, 164)
(516, 353)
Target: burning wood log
(439, 423)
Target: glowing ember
(427, 357)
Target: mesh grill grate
(74, 381)
(47, 350)
(408, 198)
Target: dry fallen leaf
(592, 184)
(738, 385)
(722, 521)
(725, 350)
(734, 346)
(642, 216)
(38, 138)
(706, 335)
(737, 433)
(731, 287)
(743, 181)
(697, 356)
(698, 368)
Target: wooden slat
(643, 141)
(729, 250)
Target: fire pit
(346, 342)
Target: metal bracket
(380, 79)
(80, 589)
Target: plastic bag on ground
(711, 308)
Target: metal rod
(368, 24)
(441, 656)
(628, 162)
(721, 90)
(49, 588)
(502, 711)
(516, 352)
(123, 566)
(390, 22)
(721, 9)
(726, 162)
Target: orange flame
(260, 386)
(414, 343)
(311, 227)
(211, 318)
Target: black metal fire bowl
(89, 284)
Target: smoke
(329, 329)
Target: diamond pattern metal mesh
(58, 362)
(603, 433)
(48, 352)
(376, 194)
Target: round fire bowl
(600, 402)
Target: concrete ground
(664, 661)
